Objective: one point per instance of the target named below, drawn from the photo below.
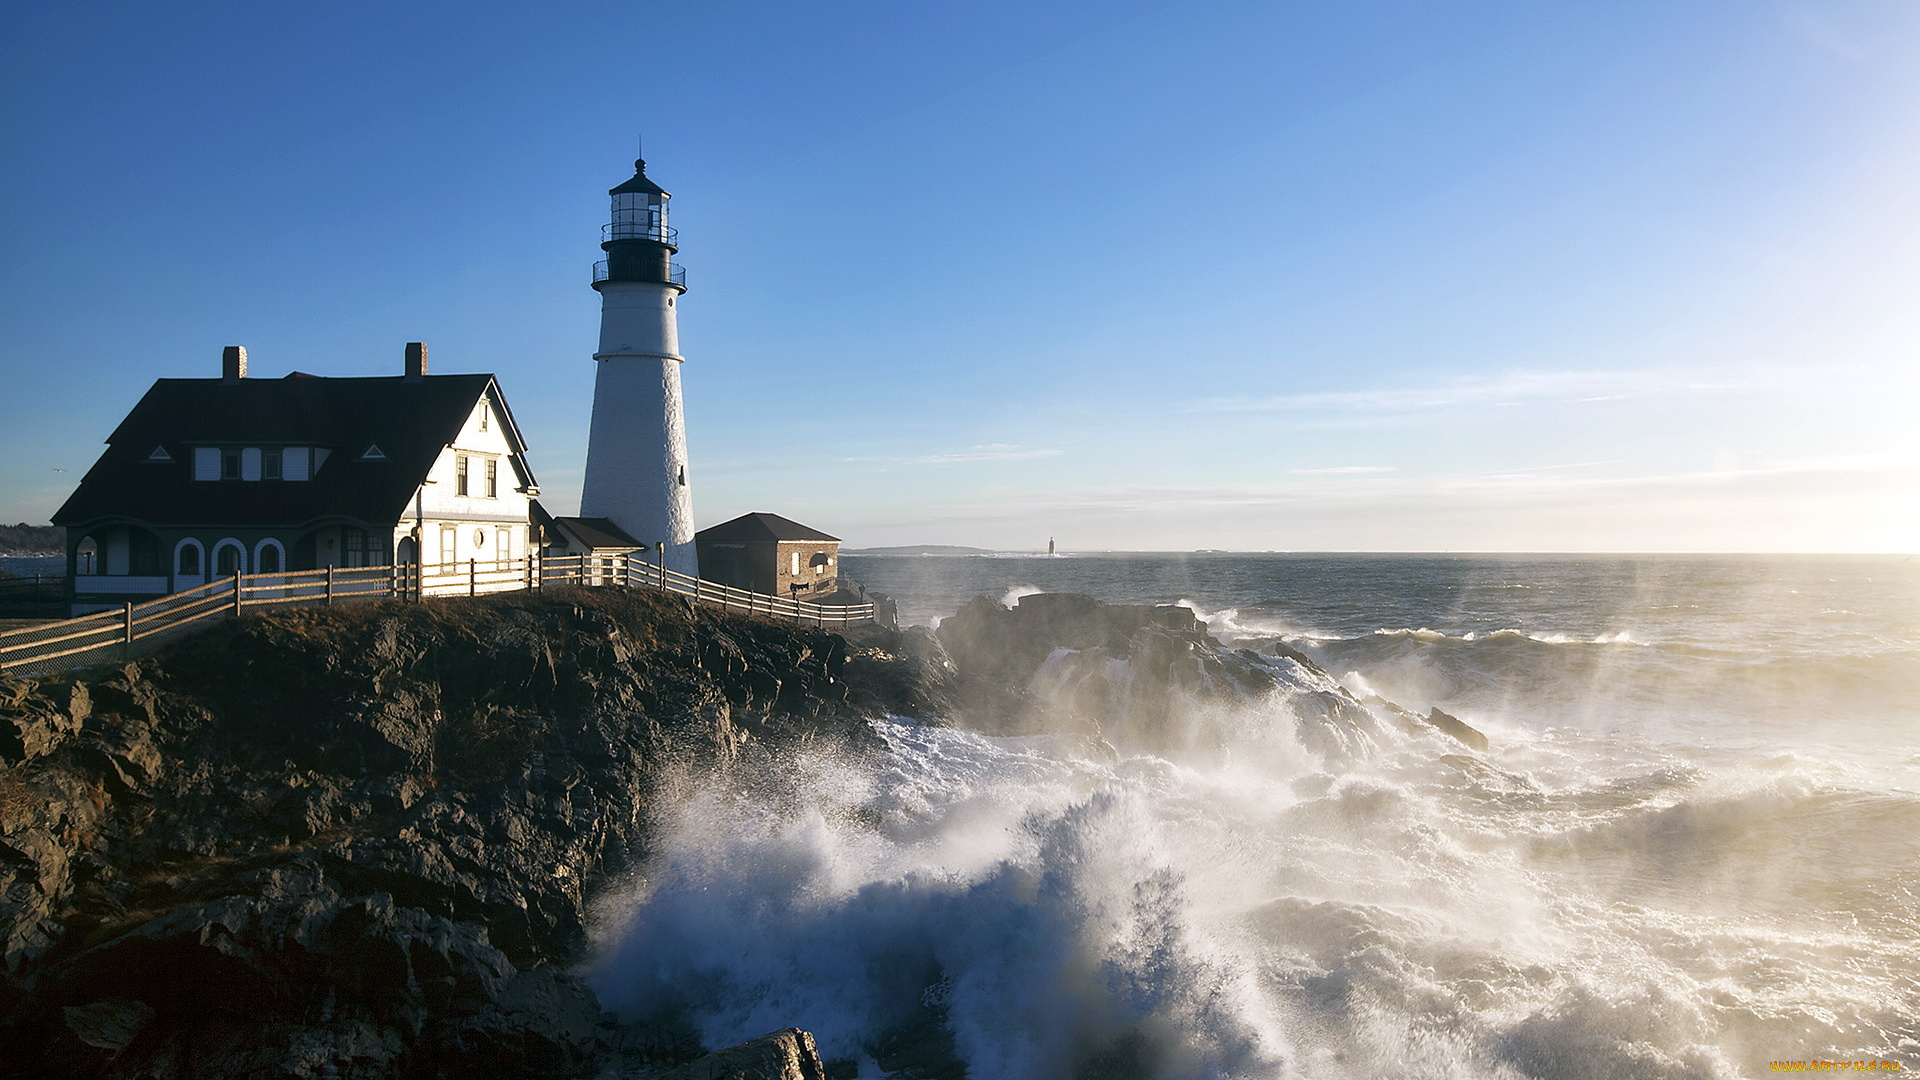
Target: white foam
(1012, 596)
(1251, 889)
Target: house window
(267, 559)
(358, 547)
(484, 414)
(206, 463)
(294, 463)
(460, 475)
(229, 559)
(250, 463)
(493, 478)
(503, 548)
(186, 559)
(230, 464)
(270, 463)
(795, 565)
(449, 545)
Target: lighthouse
(637, 445)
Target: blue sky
(1376, 276)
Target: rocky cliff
(359, 841)
(362, 841)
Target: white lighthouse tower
(637, 446)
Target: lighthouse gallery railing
(137, 629)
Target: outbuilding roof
(382, 434)
(762, 527)
(600, 534)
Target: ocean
(1692, 848)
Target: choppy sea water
(1692, 849)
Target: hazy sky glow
(1379, 276)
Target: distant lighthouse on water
(637, 446)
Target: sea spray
(1610, 891)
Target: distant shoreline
(927, 549)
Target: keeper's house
(261, 476)
(766, 553)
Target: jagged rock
(1143, 677)
(360, 841)
(1457, 728)
(108, 1025)
(783, 1055)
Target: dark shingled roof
(410, 420)
(762, 527)
(599, 533)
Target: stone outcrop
(359, 842)
(783, 1055)
(1143, 677)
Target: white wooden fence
(136, 629)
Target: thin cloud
(1548, 482)
(1343, 470)
(1509, 388)
(991, 452)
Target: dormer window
(159, 456)
(373, 453)
(484, 414)
(255, 462)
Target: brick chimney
(233, 363)
(416, 361)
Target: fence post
(329, 584)
(127, 614)
(473, 577)
(236, 594)
(393, 579)
(530, 583)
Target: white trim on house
(277, 546)
(213, 567)
(200, 560)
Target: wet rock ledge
(358, 842)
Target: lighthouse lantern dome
(640, 209)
